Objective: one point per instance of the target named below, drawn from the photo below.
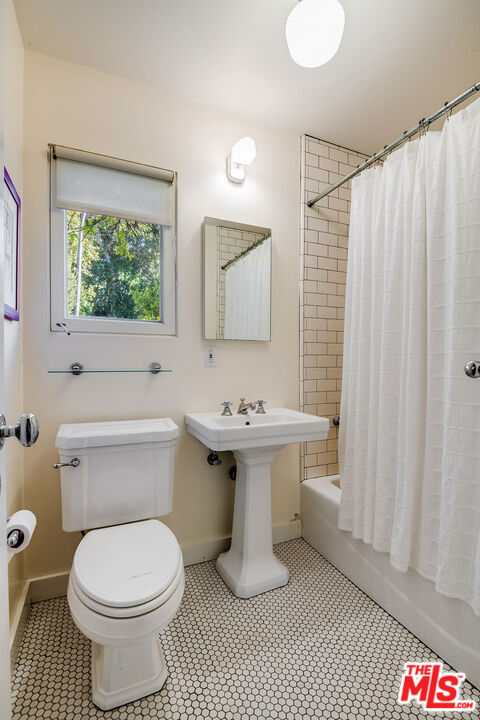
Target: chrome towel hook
(472, 369)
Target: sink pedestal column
(250, 567)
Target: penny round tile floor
(316, 648)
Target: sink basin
(250, 567)
(279, 426)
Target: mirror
(237, 279)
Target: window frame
(58, 269)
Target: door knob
(26, 430)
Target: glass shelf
(78, 369)
(85, 372)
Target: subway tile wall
(323, 274)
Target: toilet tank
(125, 471)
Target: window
(113, 245)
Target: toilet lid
(126, 565)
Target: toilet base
(123, 674)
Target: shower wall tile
(323, 275)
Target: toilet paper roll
(20, 527)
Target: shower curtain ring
(449, 114)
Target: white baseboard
(19, 620)
(211, 549)
(52, 586)
(206, 550)
(47, 587)
(288, 531)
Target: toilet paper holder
(20, 528)
(15, 538)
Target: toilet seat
(127, 612)
(127, 570)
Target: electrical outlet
(210, 356)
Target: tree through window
(113, 267)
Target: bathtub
(447, 626)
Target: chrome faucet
(244, 407)
(226, 408)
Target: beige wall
(13, 89)
(86, 109)
(323, 272)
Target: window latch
(63, 327)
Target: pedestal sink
(250, 567)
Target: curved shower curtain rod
(422, 124)
(247, 250)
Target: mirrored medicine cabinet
(237, 261)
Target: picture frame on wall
(11, 253)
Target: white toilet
(127, 579)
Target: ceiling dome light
(314, 31)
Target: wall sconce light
(243, 153)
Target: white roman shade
(106, 186)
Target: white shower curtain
(410, 417)
(247, 296)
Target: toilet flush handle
(74, 462)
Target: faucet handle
(260, 409)
(226, 407)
